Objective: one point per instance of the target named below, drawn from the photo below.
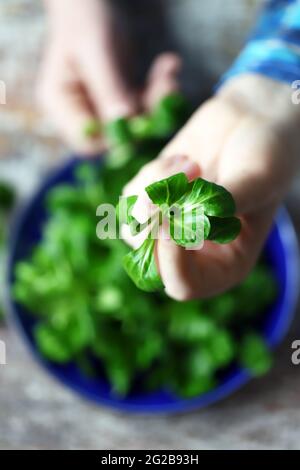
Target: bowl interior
(280, 252)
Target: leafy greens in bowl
(98, 333)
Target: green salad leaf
(215, 199)
(195, 212)
(224, 230)
(169, 190)
(117, 132)
(141, 267)
(255, 355)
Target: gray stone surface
(36, 412)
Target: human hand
(81, 80)
(246, 139)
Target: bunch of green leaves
(128, 138)
(195, 211)
(88, 310)
(164, 120)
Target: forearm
(273, 49)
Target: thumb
(100, 63)
(162, 78)
(109, 94)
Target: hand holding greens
(195, 211)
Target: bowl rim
(287, 235)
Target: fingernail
(184, 164)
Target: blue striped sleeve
(273, 48)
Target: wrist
(270, 104)
(262, 96)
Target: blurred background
(35, 412)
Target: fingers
(189, 275)
(100, 61)
(239, 151)
(66, 103)
(109, 94)
(214, 268)
(159, 169)
(203, 136)
(71, 105)
(97, 54)
(81, 80)
(162, 79)
(174, 267)
(243, 153)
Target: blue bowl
(281, 251)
